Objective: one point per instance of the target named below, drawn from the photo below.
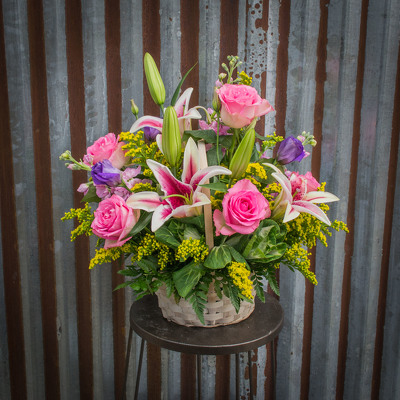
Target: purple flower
(103, 173)
(291, 149)
(150, 133)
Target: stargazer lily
(182, 110)
(181, 198)
(292, 204)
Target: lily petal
(204, 174)
(147, 201)
(147, 120)
(192, 114)
(309, 208)
(282, 179)
(161, 215)
(191, 161)
(159, 142)
(182, 103)
(320, 197)
(169, 184)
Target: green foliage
(218, 258)
(186, 278)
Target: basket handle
(208, 221)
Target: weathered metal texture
(331, 68)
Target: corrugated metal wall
(67, 72)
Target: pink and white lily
(292, 204)
(181, 198)
(182, 110)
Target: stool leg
(250, 375)
(128, 355)
(237, 376)
(273, 370)
(198, 359)
(139, 369)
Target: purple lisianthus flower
(103, 173)
(150, 133)
(291, 149)
(121, 192)
(129, 175)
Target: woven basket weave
(218, 311)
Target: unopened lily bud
(171, 137)
(134, 108)
(154, 81)
(216, 102)
(241, 158)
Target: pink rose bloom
(240, 104)
(113, 220)
(107, 148)
(302, 184)
(243, 207)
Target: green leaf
(198, 301)
(217, 288)
(91, 196)
(272, 281)
(234, 296)
(217, 186)
(147, 265)
(212, 155)
(218, 258)
(143, 221)
(237, 256)
(191, 232)
(208, 135)
(196, 221)
(187, 278)
(164, 235)
(178, 88)
(122, 285)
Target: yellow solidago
(192, 248)
(108, 255)
(84, 216)
(149, 245)
(271, 191)
(142, 187)
(256, 169)
(245, 79)
(298, 257)
(270, 141)
(240, 276)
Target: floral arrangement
(190, 207)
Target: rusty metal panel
(328, 67)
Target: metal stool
(259, 329)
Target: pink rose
(243, 207)
(240, 104)
(302, 184)
(113, 220)
(107, 148)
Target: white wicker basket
(218, 311)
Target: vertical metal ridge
(188, 376)
(387, 238)
(349, 242)
(9, 238)
(151, 44)
(114, 101)
(282, 63)
(222, 377)
(76, 100)
(320, 78)
(228, 29)
(190, 15)
(41, 140)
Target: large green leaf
(91, 196)
(266, 244)
(208, 135)
(197, 221)
(143, 221)
(217, 186)
(218, 258)
(187, 278)
(191, 232)
(164, 235)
